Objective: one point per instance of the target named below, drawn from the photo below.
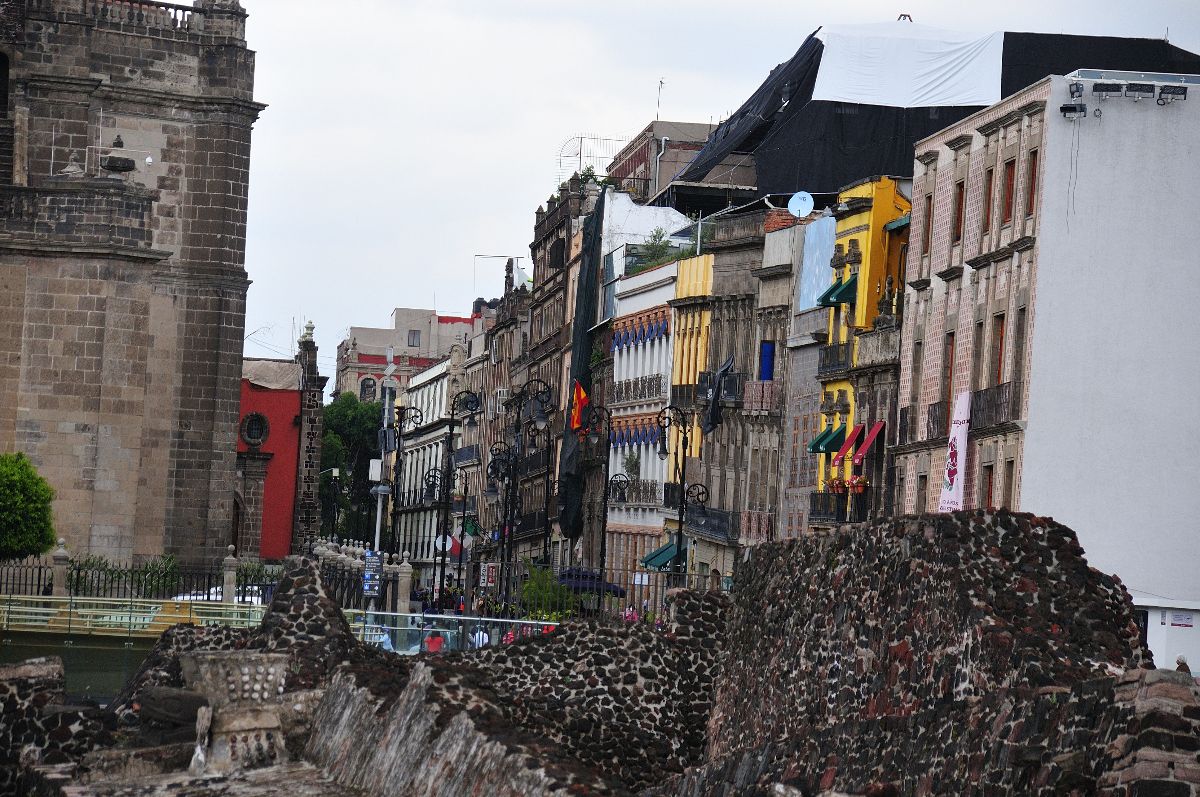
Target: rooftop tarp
(854, 99)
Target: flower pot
(858, 488)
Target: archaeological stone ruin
(972, 653)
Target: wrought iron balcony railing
(652, 387)
(833, 358)
(996, 405)
(466, 455)
(639, 492)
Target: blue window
(766, 360)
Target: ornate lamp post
(501, 493)
(599, 425)
(469, 402)
(697, 494)
(541, 396)
(413, 417)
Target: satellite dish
(801, 204)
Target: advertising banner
(956, 456)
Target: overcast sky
(404, 138)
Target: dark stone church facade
(124, 162)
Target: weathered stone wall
(34, 723)
(587, 707)
(949, 654)
(123, 295)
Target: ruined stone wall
(123, 294)
(589, 706)
(948, 654)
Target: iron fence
(834, 357)
(31, 576)
(995, 405)
(154, 581)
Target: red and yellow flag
(579, 402)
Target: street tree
(26, 522)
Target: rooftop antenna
(658, 107)
(904, 18)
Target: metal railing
(995, 405)
(466, 455)
(639, 492)
(652, 387)
(115, 617)
(683, 396)
(731, 387)
(835, 357)
(720, 525)
(840, 507)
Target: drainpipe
(662, 148)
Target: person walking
(434, 642)
(480, 638)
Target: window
(414, 338)
(1018, 369)
(997, 369)
(922, 493)
(977, 358)
(900, 491)
(255, 429)
(1010, 176)
(1031, 183)
(766, 360)
(558, 254)
(960, 191)
(988, 178)
(366, 390)
(918, 359)
(986, 477)
(928, 229)
(1010, 468)
(948, 368)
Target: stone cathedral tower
(124, 161)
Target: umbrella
(581, 579)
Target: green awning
(900, 223)
(824, 299)
(832, 441)
(814, 445)
(847, 292)
(660, 559)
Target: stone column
(404, 585)
(229, 584)
(61, 562)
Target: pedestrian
(434, 642)
(480, 638)
(631, 615)
(1181, 665)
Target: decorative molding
(919, 284)
(961, 141)
(928, 157)
(947, 274)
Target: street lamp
(599, 425)
(501, 472)
(469, 402)
(697, 494)
(413, 417)
(541, 395)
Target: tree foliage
(350, 442)
(26, 522)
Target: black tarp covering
(587, 293)
(822, 146)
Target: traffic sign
(372, 567)
(443, 543)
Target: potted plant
(857, 484)
(837, 485)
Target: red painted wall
(280, 408)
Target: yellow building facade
(867, 265)
(693, 318)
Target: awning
(661, 558)
(846, 446)
(900, 223)
(814, 445)
(833, 441)
(847, 292)
(824, 299)
(578, 579)
(861, 453)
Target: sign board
(442, 542)
(951, 499)
(641, 579)
(375, 470)
(488, 574)
(1182, 620)
(372, 567)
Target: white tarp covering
(909, 66)
(272, 374)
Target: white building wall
(1112, 443)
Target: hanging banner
(956, 456)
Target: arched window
(558, 254)
(366, 390)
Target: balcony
(880, 347)
(459, 505)
(683, 396)
(937, 420)
(652, 387)
(466, 455)
(834, 358)
(640, 492)
(756, 527)
(717, 525)
(731, 387)
(761, 396)
(838, 507)
(996, 405)
(531, 524)
(534, 463)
